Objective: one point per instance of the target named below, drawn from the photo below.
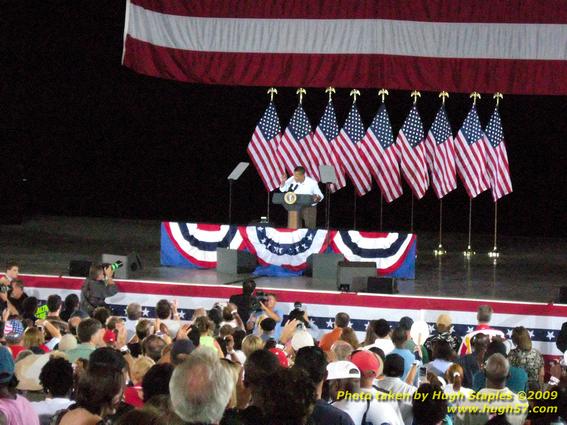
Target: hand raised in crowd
(122, 335)
(229, 343)
(108, 274)
(288, 330)
(183, 332)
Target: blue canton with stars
(286, 249)
(413, 128)
(270, 123)
(382, 128)
(494, 130)
(299, 124)
(328, 124)
(471, 128)
(440, 128)
(353, 125)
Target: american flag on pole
(347, 151)
(441, 155)
(294, 149)
(497, 158)
(410, 142)
(470, 149)
(381, 155)
(262, 148)
(325, 133)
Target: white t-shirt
(50, 406)
(382, 412)
(397, 386)
(385, 344)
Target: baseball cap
(301, 339)
(181, 349)
(342, 370)
(280, 354)
(6, 365)
(366, 362)
(444, 320)
(109, 336)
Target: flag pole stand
(268, 208)
(411, 218)
(440, 251)
(381, 202)
(468, 253)
(327, 206)
(354, 212)
(494, 254)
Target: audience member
(168, 315)
(383, 341)
(406, 324)
(348, 335)
(17, 296)
(454, 377)
(496, 370)
(526, 357)
(341, 350)
(143, 329)
(243, 302)
(133, 395)
(152, 347)
(267, 327)
(70, 306)
(102, 314)
(342, 321)
(97, 287)
(269, 309)
(483, 317)
(56, 378)
(89, 334)
(200, 388)
(250, 344)
(399, 338)
(429, 408)
(156, 381)
(443, 330)
(473, 362)
(12, 272)
(133, 314)
(180, 350)
(442, 355)
(370, 335)
(343, 377)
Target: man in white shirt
(56, 377)
(383, 342)
(300, 184)
(496, 398)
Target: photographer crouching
(98, 286)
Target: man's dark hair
(299, 169)
(87, 329)
(379, 352)
(442, 349)
(495, 347)
(152, 347)
(156, 380)
(29, 307)
(71, 302)
(342, 320)
(102, 314)
(56, 377)
(143, 328)
(97, 389)
(291, 400)
(54, 303)
(394, 365)
(238, 336)
(429, 409)
(484, 313)
(399, 337)
(268, 324)
(107, 357)
(382, 328)
(248, 286)
(297, 314)
(18, 282)
(163, 309)
(11, 264)
(215, 316)
(259, 367)
(313, 361)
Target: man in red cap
(378, 410)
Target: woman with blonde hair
(251, 343)
(527, 357)
(454, 377)
(133, 395)
(34, 340)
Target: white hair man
(200, 388)
(496, 398)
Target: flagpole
(494, 253)
(468, 253)
(354, 212)
(381, 204)
(415, 94)
(411, 219)
(440, 250)
(268, 208)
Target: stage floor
(529, 269)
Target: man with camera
(97, 287)
(267, 309)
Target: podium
(293, 203)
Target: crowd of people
(74, 361)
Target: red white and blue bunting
(283, 250)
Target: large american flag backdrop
(453, 45)
(543, 321)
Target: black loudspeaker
(352, 276)
(79, 268)
(382, 285)
(131, 264)
(562, 295)
(232, 261)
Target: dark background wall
(93, 138)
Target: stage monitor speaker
(132, 264)
(232, 261)
(353, 276)
(562, 295)
(325, 265)
(382, 285)
(79, 268)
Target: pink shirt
(18, 411)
